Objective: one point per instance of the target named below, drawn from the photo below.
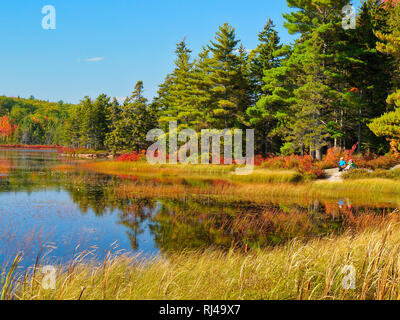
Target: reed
(297, 270)
(365, 191)
(8, 281)
(269, 176)
(263, 185)
(126, 168)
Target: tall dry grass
(259, 175)
(263, 185)
(125, 168)
(294, 271)
(363, 191)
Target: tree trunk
(266, 144)
(359, 125)
(318, 153)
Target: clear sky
(104, 46)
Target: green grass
(379, 173)
(361, 192)
(293, 271)
(227, 172)
(269, 176)
(133, 168)
(361, 188)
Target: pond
(52, 209)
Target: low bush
(131, 157)
(303, 164)
(366, 161)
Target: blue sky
(103, 46)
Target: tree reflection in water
(188, 222)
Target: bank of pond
(56, 210)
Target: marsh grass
(141, 168)
(262, 186)
(379, 173)
(364, 191)
(8, 281)
(123, 168)
(297, 270)
(269, 176)
(64, 168)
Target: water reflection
(50, 205)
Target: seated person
(351, 165)
(342, 165)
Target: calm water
(55, 211)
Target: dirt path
(333, 175)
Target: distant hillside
(32, 121)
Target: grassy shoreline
(297, 270)
(264, 185)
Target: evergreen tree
(264, 57)
(177, 93)
(308, 128)
(388, 125)
(227, 80)
(315, 59)
(72, 128)
(264, 64)
(93, 121)
(131, 122)
(368, 73)
(391, 45)
(202, 97)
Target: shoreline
(33, 147)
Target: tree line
(330, 88)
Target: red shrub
(303, 164)
(132, 157)
(368, 160)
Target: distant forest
(332, 87)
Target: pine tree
(391, 45)
(93, 121)
(264, 57)
(368, 72)
(202, 97)
(315, 59)
(72, 131)
(227, 80)
(264, 64)
(308, 128)
(388, 125)
(175, 96)
(144, 117)
(131, 122)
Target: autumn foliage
(6, 127)
(132, 157)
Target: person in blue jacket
(342, 165)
